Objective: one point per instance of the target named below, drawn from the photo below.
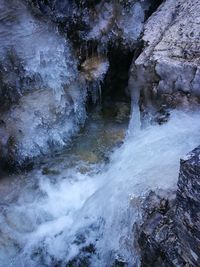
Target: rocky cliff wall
(170, 233)
(167, 71)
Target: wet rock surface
(169, 235)
(167, 71)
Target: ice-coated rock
(101, 21)
(43, 44)
(42, 98)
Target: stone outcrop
(170, 233)
(167, 71)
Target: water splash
(55, 218)
(135, 121)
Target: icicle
(99, 91)
(135, 122)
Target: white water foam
(55, 217)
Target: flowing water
(78, 208)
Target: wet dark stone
(170, 233)
(83, 259)
(47, 171)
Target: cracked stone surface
(168, 69)
(170, 232)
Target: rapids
(81, 210)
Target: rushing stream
(79, 206)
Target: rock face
(188, 207)
(167, 71)
(170, 234)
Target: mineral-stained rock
(167, 71)
(170, 233)
(94, 67)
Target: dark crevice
(154, 6)
(115, 86)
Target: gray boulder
(170, 232)
(167, 70)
